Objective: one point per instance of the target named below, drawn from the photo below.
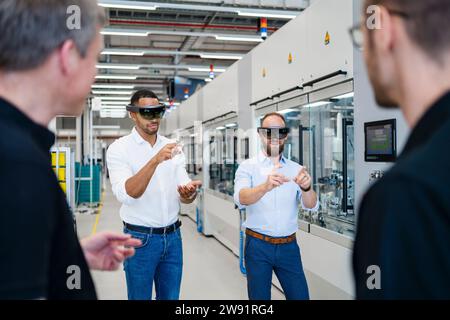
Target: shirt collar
(139, 140)
(40, 134)
(429, 124)
(262, 158)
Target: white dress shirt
(276, 213)
(160, 204)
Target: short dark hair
(32, 30)
(273, 114)
(143, 93)
(427, 23)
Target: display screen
(380, 141)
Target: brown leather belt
(271, 240)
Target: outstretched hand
(107, 250)
(190, 190)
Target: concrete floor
(210, 272)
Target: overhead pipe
(187, 25)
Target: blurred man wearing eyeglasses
(404, 221)
(270, 188)
(149, 178)
(46, 70)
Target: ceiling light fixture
(219, 56)
(198, 69)
(112, 86)
(262, 14)
(236, 38)
(128, 33)
(118, 66)
(115, 77)
(119, 52)
(113, 92)
(125, 5)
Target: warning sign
(327, 38)
(264, 73)
(290, 59)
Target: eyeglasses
(357, 35)
(278, 133)
(149, 112)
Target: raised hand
(303, 179)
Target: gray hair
(33, 29)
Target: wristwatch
(306, 190)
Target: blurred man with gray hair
(402, 246)
(47, 67)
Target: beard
(382, 91)
(274, 151)
(382, 96)
(147, 130)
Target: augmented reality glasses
(278, 133)
(149, 112)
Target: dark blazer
(404, 219)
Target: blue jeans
(160, 260)
(261, 258)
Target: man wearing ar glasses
(271, 187)
(148, 177)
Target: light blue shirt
(276, 213)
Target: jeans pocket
(144, 237)
(248, 239)
(178, 234)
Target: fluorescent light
(218, 56)
(235, 38)
(112, 115)
(112, 86)
(266, 15)
(126, 93)
(119, 66)
(113, 110)
(125, 5)
(286, 111)
(118, 104)
(124, 33)
(220, 128)
(208, 79)
(231, 125)
(115, 77)
(196, 69)
(121, 112)
(119, 52)
(345, 96)
(114, 107)
(175, 104)
(99, 127)
(114, 98)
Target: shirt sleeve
(119, 172)
(316, 207)
(243, 180)
(181, 175)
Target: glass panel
(187, 138)
(331, 146)
(223, 159)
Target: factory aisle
(210, 270)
